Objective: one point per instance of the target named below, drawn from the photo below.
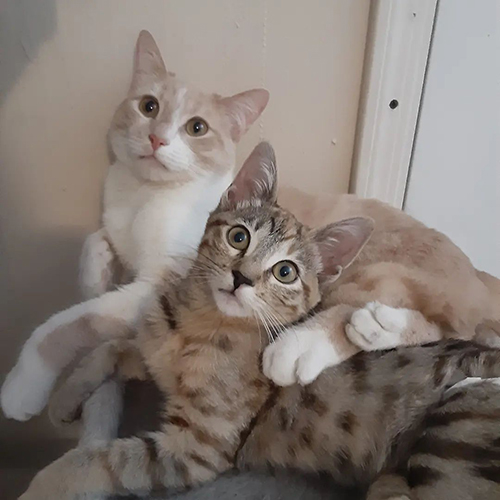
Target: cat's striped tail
(138, 465)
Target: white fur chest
(152, 226)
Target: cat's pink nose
(156, 142)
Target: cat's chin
(150, 168)
(230, 304)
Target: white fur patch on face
(177, 156)
(229, 304)
(377, 326)
(299, 355)
(234, 304)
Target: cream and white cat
(174, 154)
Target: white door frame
(398, 45)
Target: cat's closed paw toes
(377, 326)
(96, 265)
(299, 356)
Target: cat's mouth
(230, 293)
(153, 158)
(149, 157)
(229, 302)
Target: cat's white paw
(470, 381)
(299, 355)
(377, 326)
(25, 392)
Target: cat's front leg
(303, 351)
(182, 456)
(97, 265)
(56, 343)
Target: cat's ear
(256, 182)
(341, 242)
(243, 109)
(148, 63)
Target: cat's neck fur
(203, 346)
(138, 218)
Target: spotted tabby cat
(202, 342)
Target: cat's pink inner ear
(256, 180)
(148, 62)
(243, 109)
(341, 242)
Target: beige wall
(65, 65)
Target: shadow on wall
(24, 26)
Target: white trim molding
(396, 59)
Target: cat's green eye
(149, 106)
(197, 127)
(238, 237)
(285, 271)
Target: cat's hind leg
(378, 326)
(57, 342)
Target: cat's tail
(140, 465)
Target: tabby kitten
(174, 155)
(203, 339)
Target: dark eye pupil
(197, 127)
(150, 106)
(239, 237)
(285, 271)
